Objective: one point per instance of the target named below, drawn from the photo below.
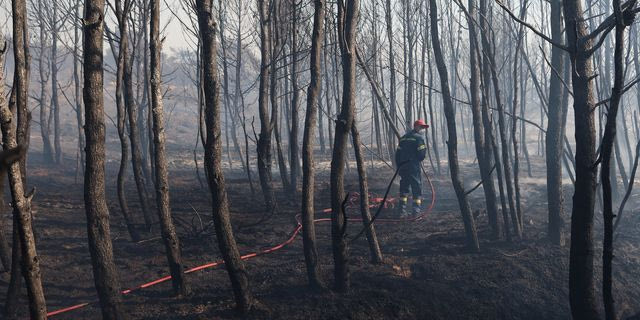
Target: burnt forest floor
(428, 274)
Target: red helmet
(420, 123)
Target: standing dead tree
(452, 142)
(266, 124)
(213, 160)
(121, 12)
(347, 26)
(100, 246)
(606, 149)
(167, 228)
(555, 130)
(372, 238)
(21, 202)
(308, 164)
(482, 144)
(44, 74)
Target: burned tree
(266, 127)
(167, 228)
(213, 160)
(347, 26)
(104, 269)
(21, 202)
(621, 23)
(482, 144)
(452, 142)
(121, 11)
(308, 165)
(555, 130)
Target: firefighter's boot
(402, 206)
(417, 206)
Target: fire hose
(376, 200)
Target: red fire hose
(293, 236)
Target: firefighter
(409, 155)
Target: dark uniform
(409, 155)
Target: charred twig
(479, 183)
(384, 200)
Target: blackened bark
(452, 143)
(608, 141)
(21, 203)
(555, 134)
(136, 145)
(294, 150)
(45, 109)
(55, 103)
(266, 128)
(388, 14)
(77, 65)
(308, 164)
(372, 238)
(213, 160)
(347, 24)
(581, 272)
(121, 16)
(167, 228)
(104, 269)
(483, 147)
(5, 250)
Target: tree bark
(555, 132)
(77, 65)
(55, 103)
(121, 16)
(347, 26)
(483, 147)
(608, 141)
(45, 109)
(452, 143)
(21, 203)
(167, 228)
(266, 128)
(581, 282)
(104, 269)
(213, 161)
(136, 146)
(308, 163)
(293, 137)
(372, 238)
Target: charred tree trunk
(581, 274)
(121, 16)
(21, 203)
(77, 65)
(293, 137)
(347, 26)
(266, 128)
(136, 146)
(55, 103)
(608, 141)
(452, 143)
(483, 147)
(555, 134)
(372, 238)
(45, 109)
(213, 160)
(5, 250)
(167, 228)
(104, 269)
(392, 74)
(308, 163)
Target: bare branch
(530, 27)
